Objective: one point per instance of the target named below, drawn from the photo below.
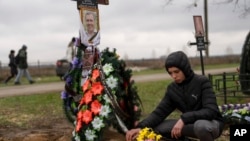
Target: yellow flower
(151, 135)
(148, 134)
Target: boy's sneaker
(31, 82)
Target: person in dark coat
(23, 66)
(12, 65)
(193, 96)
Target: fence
(230, 85)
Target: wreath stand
(98, 91)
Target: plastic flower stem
(123, 126)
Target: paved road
(59, 86)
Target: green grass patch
(23, 111)
(151, 94)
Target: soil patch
(59, 130)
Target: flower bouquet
(148, 134)
(236, 113)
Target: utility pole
(206, 29)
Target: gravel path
(59, 86)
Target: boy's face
(177, 75)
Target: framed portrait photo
(90, 26)
(90, 19)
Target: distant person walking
(12, 65)
(22, 65)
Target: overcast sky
(136, 28)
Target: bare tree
(242, 5)
(229, 50)
(125, 57)
(153, 54)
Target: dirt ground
(53, 130)
(60, 130)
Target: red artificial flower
(86, 85)
(87, 116)
(87, 97)
(96, 107)
(79, 120)
(78, 126)
(79, 115)
(97, 88)
(95, 74)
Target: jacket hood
(180, 60)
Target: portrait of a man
(90, 23)
(89, 26)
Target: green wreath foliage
(124, 102)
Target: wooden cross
(91, 3)
(104, 2)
